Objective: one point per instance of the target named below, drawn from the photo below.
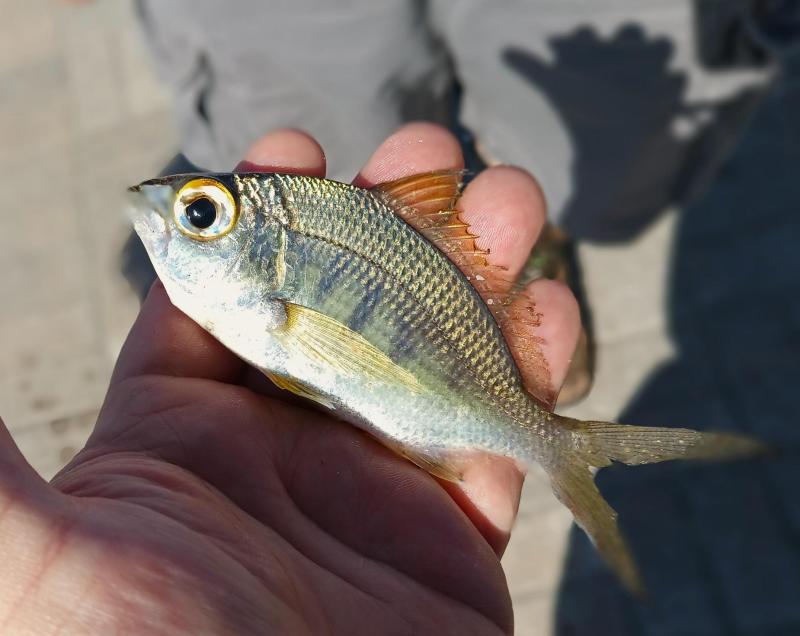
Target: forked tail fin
(597, 444)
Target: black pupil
(201, 213)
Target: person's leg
(347, 72)
(613, 105)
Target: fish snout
(151, 198)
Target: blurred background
(694, 304)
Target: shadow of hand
(618, 100)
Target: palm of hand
(200, 505)
(300, 545)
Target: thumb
(18, 480)
(30, 514)
(26, 503)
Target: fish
(377, 305)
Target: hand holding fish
(200, 505)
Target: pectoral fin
(329, 342)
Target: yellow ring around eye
(227, 211)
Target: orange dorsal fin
(518, 323)
(427, 203)
(427, 193)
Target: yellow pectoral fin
(329, 342)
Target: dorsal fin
(427, 193)
(520, 319)
(427, 202)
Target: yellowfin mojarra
(376, 304)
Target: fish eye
(201, 213)
(204, 209)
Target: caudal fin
(602, 442)
(597, 444)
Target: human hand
(202, 504)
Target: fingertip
(415, 148)
(505, 207)
(489, 495)
(16, 474)
(286, 150)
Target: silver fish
(377, 305)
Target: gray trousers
(621, 108)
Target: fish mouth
(172, 181)
(175, 181)
(148, 199)
(149, 209)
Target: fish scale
(395, 307)
(478, 344)
(416, 316)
